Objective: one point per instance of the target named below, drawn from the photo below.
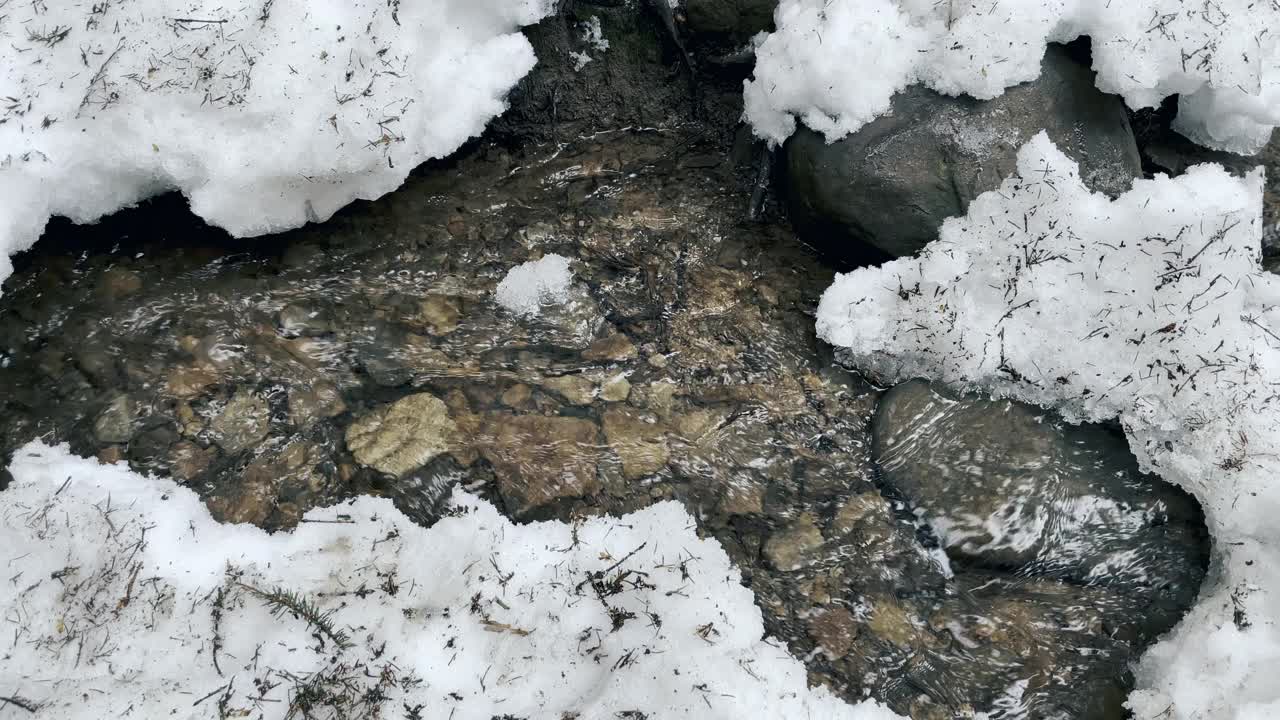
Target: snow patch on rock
(1222, 58)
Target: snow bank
(834, 64)
(266, 114)
(122, 596)
(529, 286)
(1151, 309)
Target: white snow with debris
(265, 114)
(122, 595)
(1151, 309)
(530, 286)
(1221, 56)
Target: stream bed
(945, 554)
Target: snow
(529, 286)
(1222, 57)
(265, 115)
(1151, 309)
(123, 596)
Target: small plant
(284, 601)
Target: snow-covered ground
(1152, 309)
(834, 64)
(122, 597)
(266, 113)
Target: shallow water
(943, 554)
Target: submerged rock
(1011, 487)
(891, 184)
(398, 438)
(539, 460)
(243, 423)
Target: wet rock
(115, 422)
(743, 496)
(576, 389)
(615, 389)
(616, 348)
(242, 424)
(189, 381)
(438, 314)
(638, 440)
(794, 547)
(258, 495)
(311, 404)
(516, 395)
(891, 184)
(860, 511)
(187, 460)
(118, 283)
(111, 454)
(541, 459)
(98, 365)
(301, 320)
(398, 438)
(1010, 486)
(834, 630)
(149, 448)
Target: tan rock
(438, 314)
(309, 404)
(616, 347)
(540, 459)
(577, 389)
(188, 460)
(189, 422)
(638, 440)
(403, 436)
(242, 424)
(189, 381)
(858, 511)
(834, 629)
(615, 389)
(794, 547)
(742, 496)
(891, 622)
(517, 395)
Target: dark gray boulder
(891, 184)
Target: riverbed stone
(638, 439)
(115, 422)
(834, 629)
(319, 401)
(1010, 485)
(540, 459)
(615, 347)
(243, 422)
(576, 389)
(403, 436)
(794, 547)
(615, 389)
